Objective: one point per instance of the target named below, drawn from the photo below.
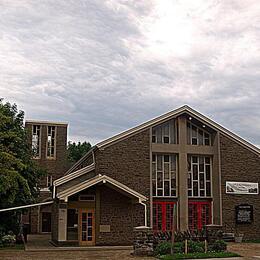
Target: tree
(19, 175)
(76, 151)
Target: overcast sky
(105, 66)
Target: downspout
(145, 212)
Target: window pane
(208, 189)
(159, 180)
(194, 159)
(195, 188)
(166, 188)
(207, 172)
(159, 162)
(166, 139)
(200, 137)
(166, 171)
(195, 172)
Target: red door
(199, 214)
(163, 217)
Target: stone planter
(143, 241)
(239, 238)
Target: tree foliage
(76, 151)
(19, 175)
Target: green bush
(8, 240)
(196, 247)
(164, 248)
(218, 246)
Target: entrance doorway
(46, 222)
(199, 214)
(86, 227)
(163, 219)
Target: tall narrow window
(197, 136)
(51, 142)
(49, 181)
(199, 176)
(164, 175)
(165, 133)
(36, 141)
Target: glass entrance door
(87, 227)
(199, 214)
(163, 218)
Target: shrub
(164, 248)
(218, 246)
(195, 247)
(8, 240)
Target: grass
(252, 241)
(11, 248)
(199, 255)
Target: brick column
(183, 171)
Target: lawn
(199, 255)
(11, 248)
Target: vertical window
(164, 175)
(197, 136)
(165, 133)
(49, 181)
(36, 141)
(51, 141)
(199, 176)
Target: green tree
(19, 175)
(76, 151)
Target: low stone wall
(143, 241)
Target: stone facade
(56, 167)
(242, 165)
(116, 210)
(128, 161)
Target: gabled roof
(161, 119)
(75, 174)
(175, 113)
(99, 179)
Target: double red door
(164, 215)
(199, 214)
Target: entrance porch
(99, 211)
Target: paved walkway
(38, 247)
(42, 243)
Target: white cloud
(104, 66)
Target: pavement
(38, 247)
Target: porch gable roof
(100, 179)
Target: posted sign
(241, 187)
(244, 214)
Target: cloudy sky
(105, 66)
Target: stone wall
(116, 210)
(143, 241)
(239, 164)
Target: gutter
(27, 206)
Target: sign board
(104, 228)
(241, 187)
(244, 214)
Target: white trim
(27, 206)
(81, 160)
(95, 180)
(174, 113)
(145, 212)
(74, 175)
(45, 122)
